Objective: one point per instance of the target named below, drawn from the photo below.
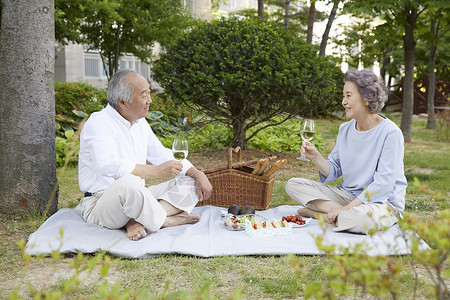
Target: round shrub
(245, 72)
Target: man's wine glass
(307, 132)
(180, 152)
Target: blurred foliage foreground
(352, 271)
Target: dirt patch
(419, 170)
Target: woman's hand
(309, 150)
(334, 213)
(314, 155)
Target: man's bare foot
(135, 230)
(181, 219)
(307, 212)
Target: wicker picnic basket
(235, 184)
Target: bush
(283, 138)
(74, 101)
(168, 118)
(245, 72)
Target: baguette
(258, 166)
(264, 166)
(275, 167)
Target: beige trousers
(127, 198)
(359, 219)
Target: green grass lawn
(242, 277)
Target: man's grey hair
(119, 87)
(370, 86)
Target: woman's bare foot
(307, 212)
(135, 230)
(181, 219)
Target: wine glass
(307, 132)
(180, 152)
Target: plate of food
(297, 221)
(238, 222)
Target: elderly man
(115, 145)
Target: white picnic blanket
(66, 231)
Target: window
(93, 66)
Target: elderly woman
(369, 157)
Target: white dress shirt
(111, 147)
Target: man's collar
(115, 114)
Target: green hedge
(74, 101)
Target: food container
(237, 223)
(267, 228)
(235, 184)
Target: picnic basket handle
(236, 150)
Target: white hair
(119, 87)
(370, 86)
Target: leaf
(69, 134)
(154, 115)
(79, 113)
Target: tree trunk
(323, 44)
(117, 53)
(311, 20)
(261, 9)
(408, 84)
(239, 134)
(386, 62)
(27, 125)
(387, 59)
(286, 14)
(431, 122)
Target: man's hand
(202, 184)
(168, 169)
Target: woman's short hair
(370, 86)
(119, 87)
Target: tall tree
(405, 14)
(117, 27)
(311, 20)
(27, 125)
(326, 33)
(293, 14)
(434, 30)
(286, 13)
(411, 11)
(433, 39)
(261, 9)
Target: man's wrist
(194, 173)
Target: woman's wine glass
(180, 152)
(307, 132)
